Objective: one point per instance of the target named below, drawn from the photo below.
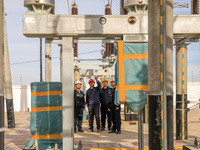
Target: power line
(89, 52)
(25, 62)
(32, 61)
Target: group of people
(97, 99)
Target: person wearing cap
(79, 104)
(114, 110)
(104, 105)
(93, 104)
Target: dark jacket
(79, 100)
(111, 98)
(104, 96)
(92, 95)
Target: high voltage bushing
(108, 10)
(109, 46)
(195, 7)
(74, 9)
(123, 11)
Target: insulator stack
(74, 9)
(42, 6)
(108, 10)
(195, 7)
(123, 11)
(75, 12)
(109, 46)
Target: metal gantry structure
(68, 30)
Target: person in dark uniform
(93, 104)
(104, 105)
(79, 104)
(114, 110)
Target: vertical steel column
(163, 75)
(41, 79)
(68, 94)
(61, 62)
(155, 74)
(75, 12)
(8, 83)
(181, 92)
(1, 73)
(140, 130)
(48, 66)
(169, 74)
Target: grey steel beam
(93, 64)
(1, 73)
(48, 66)
(68, 94)
(8, 83)
(181, 41)
(96, 72)
(58, 41)
(47, 25)
(187, 39)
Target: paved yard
(15, 139)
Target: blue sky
(26, 49)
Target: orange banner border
(40, 109)
(121, 57)
(46, 137)
(46, 93)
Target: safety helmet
(91, 80)
(104, 80)
(113, 80)
(78, 82)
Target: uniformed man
(93, 104)
(104, 106)
(114, 110)
(79, 104)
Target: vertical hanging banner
(131, 75)
(46, 115)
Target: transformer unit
(43, 6)
(136, 6)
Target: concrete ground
(15, 139)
